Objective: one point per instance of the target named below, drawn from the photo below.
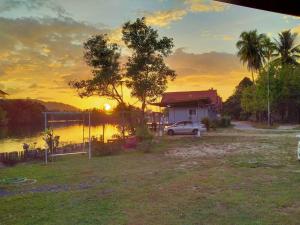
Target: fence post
(90, 154)
(46, 152)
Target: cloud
(205, 6)
(163, 18)
(227, 37)
(8, 5)
(296, 30)
(215, 63)
(38, 54)
(205, 70)
(210, 35)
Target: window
(192, 112)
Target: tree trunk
(252, 77)
(143, 111)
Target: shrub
(207, 123)
(104, 149)
(224, 121)
(145, 137)
(143, 133)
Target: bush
(207, 123)
(104, 149)
(143, 133)
(145, 137)
(225, 121)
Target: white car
(184, 127)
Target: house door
(192, 115)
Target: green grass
(264, 125)
(257, 183)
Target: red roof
(210, 95)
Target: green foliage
(129, 118)
(103, 57)
(284, 92)
(224, 121)
(279, 75)
(251, 100)
(143, 133)
(207, 123)
(51, 140)
(145, 138)
(146, 70)
(251, 50)
(232, 106)
(286, 49)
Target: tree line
(25, 112)
(275, 92)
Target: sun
(107, 107)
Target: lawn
(224, 177)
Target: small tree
(51, 140)
(146, 70)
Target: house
(2, 94)
(191, 105)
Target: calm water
(13, 139)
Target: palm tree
(269, 48)
(250, 50)
(287, 51)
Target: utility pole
(269, 110)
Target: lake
(12, 139)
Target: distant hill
(57, 106)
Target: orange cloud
(164, 17)
(205, 6)
(206, 70)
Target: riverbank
(225, 177)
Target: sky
(41, 42)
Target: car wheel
(170, 132)
(195, 131)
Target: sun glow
(107, 107)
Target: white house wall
(177, 114)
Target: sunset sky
(41, 42)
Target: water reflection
(12, 139)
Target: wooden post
(46, 152)
(83, 144)
(103, 132)
(90, 155)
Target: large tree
(287, 50)
(251, 51)
(232, 106)
(103, 57)
(147, 72)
